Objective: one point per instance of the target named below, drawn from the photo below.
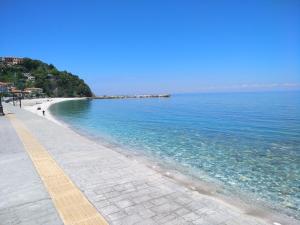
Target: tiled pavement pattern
(23, 197)
(71, 204)
(126, 191)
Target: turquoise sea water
(249, 142)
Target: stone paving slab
(23, 198)
(124, 190)
(71, 204)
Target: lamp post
(13, 99)
(1, 107)
(20, 98)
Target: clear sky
(150, 46)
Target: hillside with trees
(35, 73)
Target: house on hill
(34, 92)
(11, 60)
(29, 76)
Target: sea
(246, 143)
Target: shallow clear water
(246, 141)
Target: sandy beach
(32, 105)
(124, 190)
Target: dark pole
(20, 98)
(1, 107)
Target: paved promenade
(123, 190)
(23, 197)
(71, 204)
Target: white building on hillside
(29, 76)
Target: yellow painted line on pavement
(71, 204)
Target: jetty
(131, 96)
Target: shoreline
(45, 103)
(186, 180)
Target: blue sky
(136, 46)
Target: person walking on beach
(43, 112)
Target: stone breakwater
(131, 96)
